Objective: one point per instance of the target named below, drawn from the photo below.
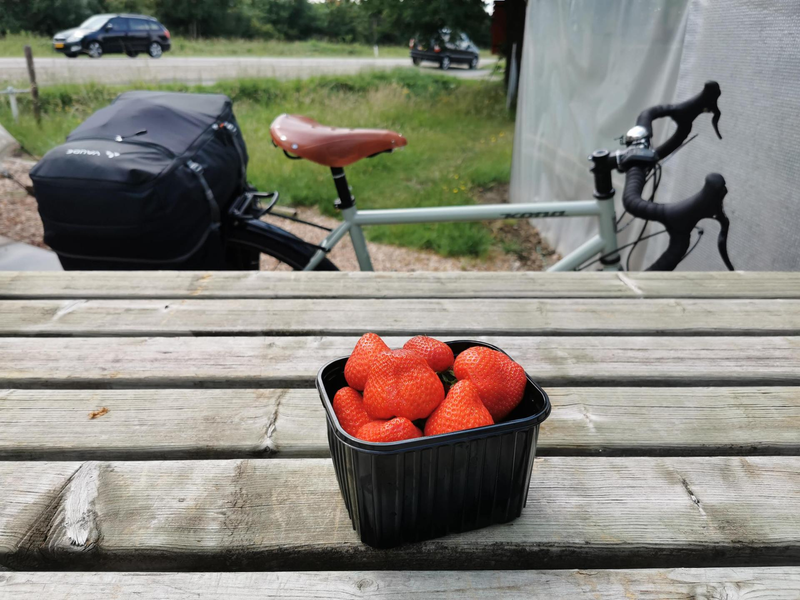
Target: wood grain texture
(773, 583)
(232, 362)
(453, 317)
(713, 284)
(161, 424)
(287, 514)
(220, 284)
(181, 424)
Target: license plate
(59, 45)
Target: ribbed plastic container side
(460, 483)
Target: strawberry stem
(448, 379)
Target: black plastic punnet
(431, 486)
(144, 183)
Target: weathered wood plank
(672, 421)
(714, 284)
(294, 361)
(180, 424)
(458, 317)
(221, 284)
(172, 285)
(160, 424)
(773, 583)
(287, 514)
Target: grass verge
(459, 134)
(13, 44)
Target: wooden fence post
(34, 88)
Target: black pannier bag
(145, 184)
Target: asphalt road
(114, 69)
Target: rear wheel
(155, 50)
(285, 250)
(416, 61)
(95, 50)
(444, 64)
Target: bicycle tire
(277, 243)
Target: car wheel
(155, 50)
(445, 63)
(473, 64)
(95, 50)
(416, 61)
(70, 55)
(132, 54)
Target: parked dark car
(445, 49)
(110, 34)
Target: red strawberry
(395, 430)
(358, 365)
(349, 408)
(500, 381)
(461, 409)
(401, 384)
(438, 354)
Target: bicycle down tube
(604, 243)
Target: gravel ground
(19, 220)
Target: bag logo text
(83, 152)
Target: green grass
(12, 45)
(459, 139)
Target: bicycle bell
(637, 136)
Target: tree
(146, 7)
(343, 21)
(427, 17)
(45, 16)
(291, 19)
(196, 17)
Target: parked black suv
(108, 34)
(445, 49)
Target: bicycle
(303, 138)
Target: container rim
(433, 440)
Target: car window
(119, 24)
(94, 23)
(463, 42)
(139, 25)
(154, 26)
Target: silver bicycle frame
(604, 243)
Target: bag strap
(233, 130)
(197, 169)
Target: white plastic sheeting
(590, 67)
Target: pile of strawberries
(389, 392)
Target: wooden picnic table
(160, 436)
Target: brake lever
(711, 92)
(722, 240)
(715, 120)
